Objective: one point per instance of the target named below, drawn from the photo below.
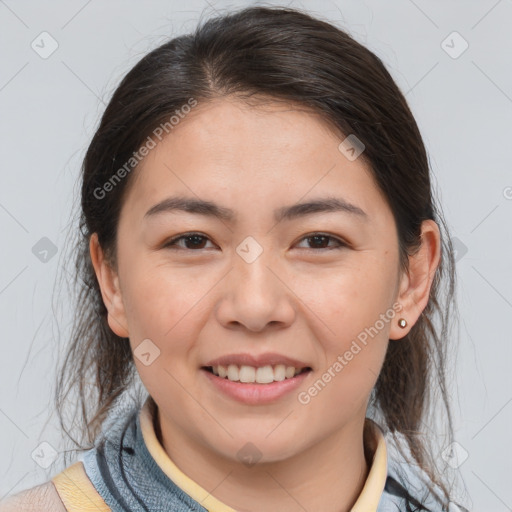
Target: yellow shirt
(79, 495)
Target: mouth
(256, 375)
(256, 385)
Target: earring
(402, 323)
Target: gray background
(50, 106)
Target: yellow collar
(367, 502)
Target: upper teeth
(261, 375)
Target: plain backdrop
(60, 62)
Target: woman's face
(256, 281)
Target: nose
(256, 296)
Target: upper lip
(269, 358)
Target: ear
(414, 288)
(110, 289)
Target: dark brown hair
(285, 55)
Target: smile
(243, 383)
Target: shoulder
(414, 497)
(41, 498)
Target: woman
(260, 245)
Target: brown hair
(278, 54)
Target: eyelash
(171, 244)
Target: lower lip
(253, 393)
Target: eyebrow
(211, 209)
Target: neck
(328, 476)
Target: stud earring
(402, 323)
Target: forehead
(253, 155)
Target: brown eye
(191, 241)
(197, 241)
(321, 241)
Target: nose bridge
(255, 283)
(255, 295)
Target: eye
(192, 241)
(320, 239)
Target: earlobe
(398, 330)
(416, 284)
(108, 281)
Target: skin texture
(299, 298)
(40, 498)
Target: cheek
(348, 300)
(353, 339)
(351, 311)
(169, 336)
(157, 299)
(162, 317)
